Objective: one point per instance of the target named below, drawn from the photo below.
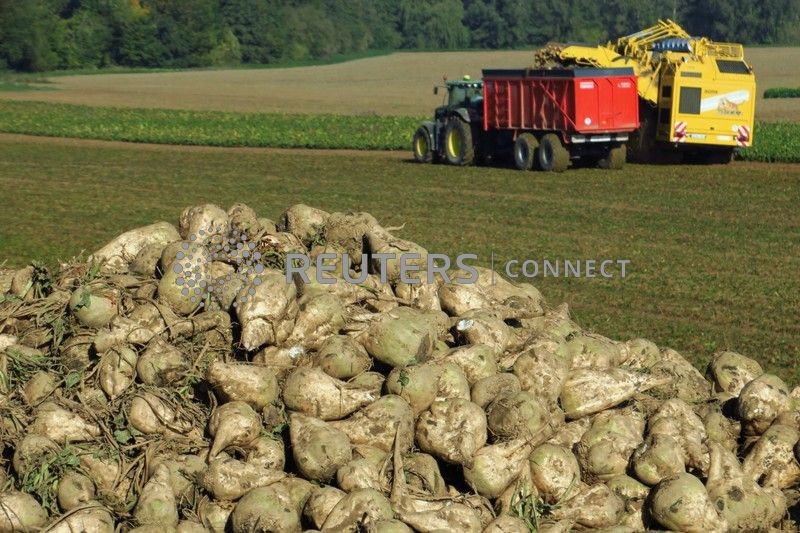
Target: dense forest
(37, 35)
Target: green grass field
(775, 142)
(715, 254)
(18, 86)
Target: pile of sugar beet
(259, 404)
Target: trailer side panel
(570, 101)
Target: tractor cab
(461, 94)
(464, 93)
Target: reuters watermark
(415, 268)
(219, 265)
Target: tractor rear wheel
(525, 151)
(552, 155)
(421, 146)
(458, 146)
(615, 159)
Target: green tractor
(452, 134)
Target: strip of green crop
(782, 92)
(774, 142)
(211, 128)
(778, 141)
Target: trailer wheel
(552, 156)
(615, 159)
(458, 146)
(525, 151)
(421, 146)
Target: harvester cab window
(728, 66)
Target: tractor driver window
(458, 95)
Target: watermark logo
(239, 267)
(201, 282)
(435, 267)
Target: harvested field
(396, 84)
(714, 250)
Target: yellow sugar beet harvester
(697, 97)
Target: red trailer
(547, 118)
(562, 114)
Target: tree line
(39, 35)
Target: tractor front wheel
(421, 146)
(525, 151)
(458, 146)
(552, 155)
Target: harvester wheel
(718, 157)
(421, 146)
(642, 142)
(551, 155)
(615, 159)
(458, 146)
(525, 151)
